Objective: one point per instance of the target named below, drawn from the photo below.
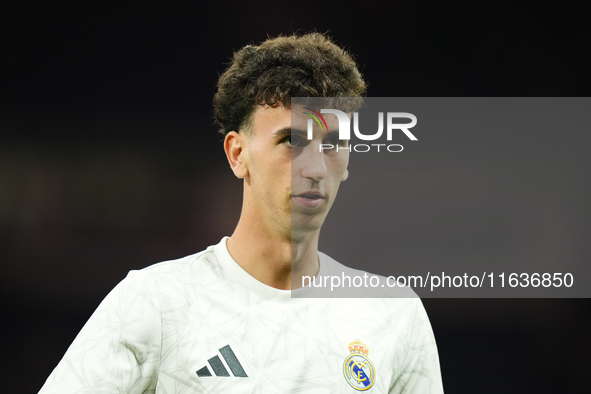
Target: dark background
(493, 185)
(109, 159)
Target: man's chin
(302, 229)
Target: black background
(109, 159)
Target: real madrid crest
(358, 370)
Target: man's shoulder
(198, 267)
(203, 258)
(177, 284)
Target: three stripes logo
(218, 367)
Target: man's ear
(234, 146)
(345, 175)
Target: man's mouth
(309, 199)
(311, 196)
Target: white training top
(201, 324)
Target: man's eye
(294, 141)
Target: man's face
(293, 184)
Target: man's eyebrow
(332, 134)
(288, 131)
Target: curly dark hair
(280, 68)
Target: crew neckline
(241, 276)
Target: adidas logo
(218, 367)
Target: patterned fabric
(201, 324)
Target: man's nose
(313, 162)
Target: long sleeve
(118, 349)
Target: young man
(224, 320)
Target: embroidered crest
(357, 369)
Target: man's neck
(276, 261)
